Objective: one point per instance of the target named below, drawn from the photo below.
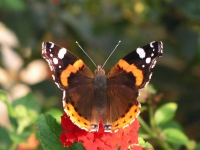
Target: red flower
(124, 138)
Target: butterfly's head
(99, 70)
(100, 79)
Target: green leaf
(197, 146)
(165, 113)
(77, 146)
(48, 133)
(172, 124)
(145, 145)
(141, 141)
(29, 101)
(12, 5)
(26, 112)
(176, 136)
(5, 141)
(19, 138)
(4, 98)
(56, 113)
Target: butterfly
(90, 98)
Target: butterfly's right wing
(130, 74)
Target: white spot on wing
(51, 68)
(161, 44)
(64, 104)
(151, 44)
(137, 114)
(140, 107)
(143, 66)
(153, 64)
(64, 94)
(43, 46)
(53, 77)
(62, 53)
(51, 55)
(152, 54)
(78, 125)
(134, 119)
(141, 52)
(44, 50)
(125, 126)
(146, 84)
(148, 60)
(85, 128)
(150, 76)
(49, 64)
(149, 80)
(55, 61)
(52, 44)
(48, 61)
(57, 85)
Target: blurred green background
(98, 26)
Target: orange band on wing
(127, 119)
(81, 122)
(70, 69)
(132, 68)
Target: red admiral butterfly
(90, 98)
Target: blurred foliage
(98, 26)
(162, 127)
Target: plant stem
(151, 116)
(153, 134)
(146, 127)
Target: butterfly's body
(100, 104)
(90, 98)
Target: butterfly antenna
(86, 54)
(111, 53)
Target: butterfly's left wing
(72, 76)
(130, 74)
